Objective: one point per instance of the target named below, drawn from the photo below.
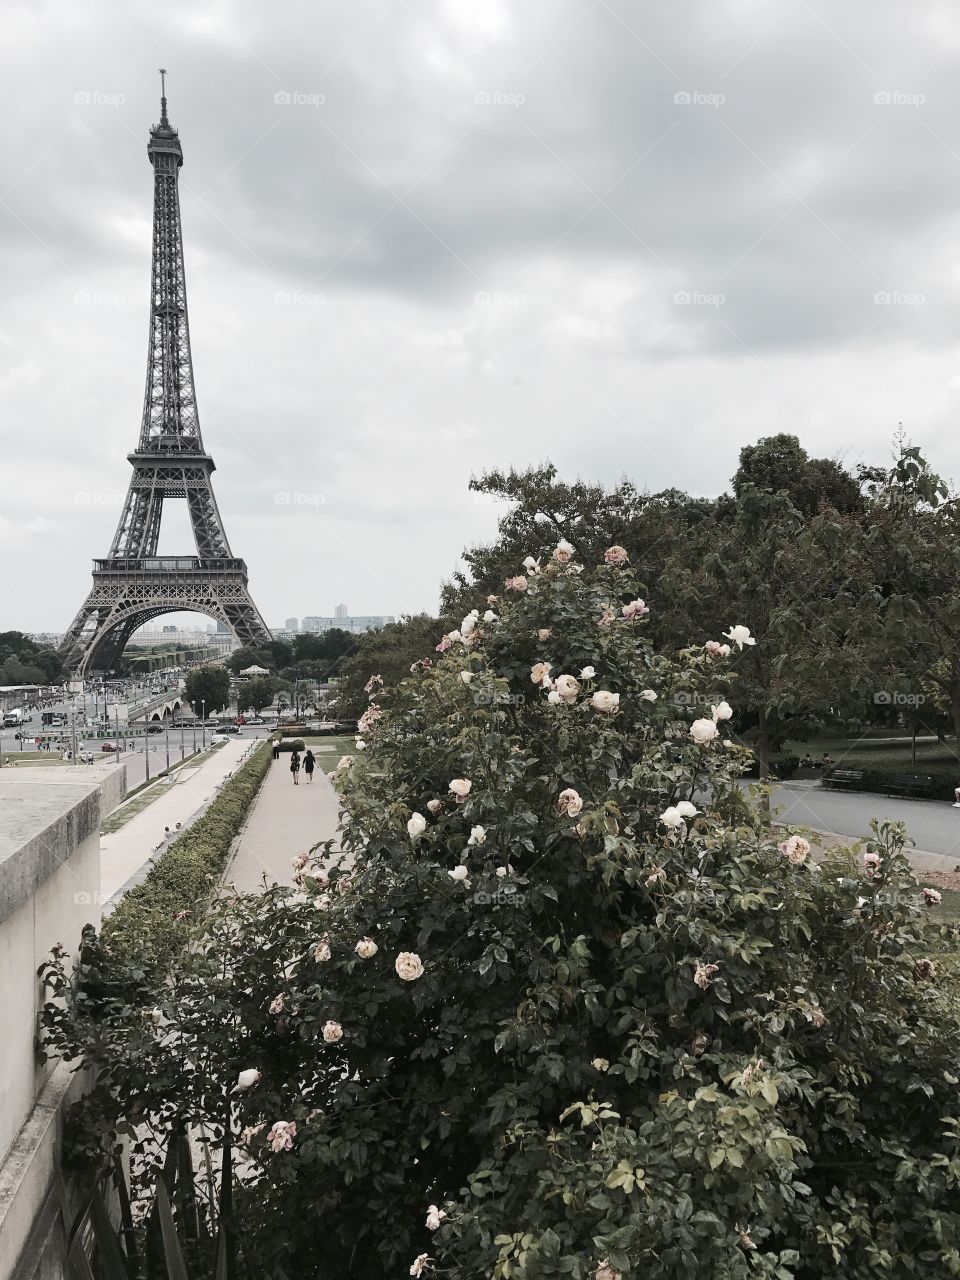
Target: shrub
(153, 921)
(292, 744)
(552, 1013)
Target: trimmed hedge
(145, 927)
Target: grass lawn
(144, 795)
(32, 759)
(937, 758)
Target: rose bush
(624, 1033)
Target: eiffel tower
(133, 584)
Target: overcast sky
(429, 237)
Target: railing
(169, 564)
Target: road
(934, 825)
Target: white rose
(703, 731)
(408, 965)
(461, 787)
(360, 744)
(540, 672)
(603, 700)
(467, 626)
(366, 948)
(722, 711)
(672, 817)
(344, 762)
(600, 1064)
(569, 802)
(740, 635)
(417, 825)
(587, 673)
(458, 873)
(554, 697)
(434, 806)
(246, 1080)
(530, 564)
(724, 651)
(490, 616)
(567, 687)
(434, 1217)
(648, 695)
(477, 835)
(321, 952)
(416, 1267)
(466, 676)
(563, 551)
(504, 871)
(687, 810)
(332, 1032)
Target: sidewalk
(285, 820)
(123, 853)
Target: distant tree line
(25, 661)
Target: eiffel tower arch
(134, 584)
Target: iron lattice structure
(135, 584)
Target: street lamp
(203, 721)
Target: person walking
(309, 762)
(276, 748)
(295, 767)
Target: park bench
(842, 779)
(913, 784)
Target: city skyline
(380, 312)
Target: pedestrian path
(125, 852)
(285, 820)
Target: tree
(561, 1007)
(779, 464)
(240, 659)
(208, 686)
(19, 652)
(257, 693)
(389, 652)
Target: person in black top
(295, 767)
(308, 764)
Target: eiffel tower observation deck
(134, 584)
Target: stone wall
(49, 889)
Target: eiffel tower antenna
(134, 584)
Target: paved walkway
(285, 820)
(125, 852)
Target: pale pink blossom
(703, 973)
(703, 731)
(795, 849)
(605, 1271)
(419, 1262)
(540, 672)
(332, 1032)
(563, 552)
(416, 825)
(477, 835)
(434, 1217)
(648, 695)
(606, 618)
(519, 583)
(657, 876)
(544, 633)
(600, 1064)
(554, 698)
(588, 673)
(366, 948)
(373, 683)
(434, 806)
(276, 1005)
(722, 711)
(931, 897)
(569, 802)
(409, 966)
(321, 952)
(604, 700)
(567, 687)
(713, 648)
(616, 555)
(871, 864)
(635, 609)
(493, 599)
(461, 787)
(282, 1134)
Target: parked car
(109, 746)
(155, 727)
(227, 728)
(255, 720)
(220, 737)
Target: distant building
(342, 620)
(292, 624)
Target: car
(220, 737)
(255, 720)
(155, 727)
(109, 746)
(227, 728)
